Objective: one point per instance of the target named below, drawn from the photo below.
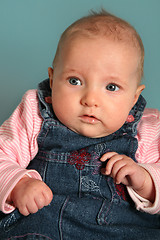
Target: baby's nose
(90, 99)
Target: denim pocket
(10, 221)
(108, 213)
(17, 226)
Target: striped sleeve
(148, 156)
(18, 145)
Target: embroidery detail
(98, 165)
(130, 118)
(121, 190)
(89, 185)
(79, 158)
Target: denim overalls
(86, 205)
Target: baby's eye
(74, 81)
(112, 87)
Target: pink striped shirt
(18, 146)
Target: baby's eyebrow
(70, 71)
(114, 79)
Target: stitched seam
(61, 214)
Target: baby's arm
(126, 171)
(29, 195)
(148, 157)
(18, 146)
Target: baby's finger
(40, 201)
(122, 173)
(24, 211)
(107, 156)
(110, 164)
(48, 195)
(117, 165)
(32, 207)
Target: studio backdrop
(30, 30)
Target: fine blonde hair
(104, 24)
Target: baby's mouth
(90, 119)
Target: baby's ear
(139, 90)
(50, 74)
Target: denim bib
(86, 204)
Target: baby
(71, 147)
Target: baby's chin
(92, 134)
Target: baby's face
(94, 85)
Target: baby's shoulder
(151, 115)
(150, 122)
(30, 104)
(30, 95)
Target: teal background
(29, 33)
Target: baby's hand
(126, 171)
(30, 195)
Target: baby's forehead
(108, 27)
(124, 36)
(68, 51)
(81, 36)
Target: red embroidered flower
(121, 190)
(79, 158)
(130, 118)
